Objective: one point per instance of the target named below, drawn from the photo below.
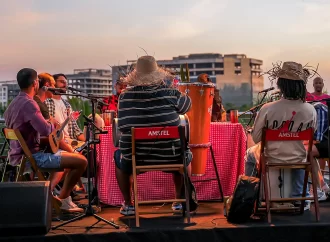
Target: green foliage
(78, 104)
(184, 72)
(325, 91)
(230, 106)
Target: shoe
(176, 206)
(306, 207)
(69, 206)
(56, 192)
(322, 196)
(127, 210)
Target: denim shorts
(48, 160)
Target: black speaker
(25, 208)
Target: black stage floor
(208, 224)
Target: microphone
(74, 89)
(54, 90)
(276, 92)
(267, 90)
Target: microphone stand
(252, 109)
(91, 128)
(255, 109)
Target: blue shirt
(322, 121)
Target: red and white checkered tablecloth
(229, 145)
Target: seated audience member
(24, 114)
(290, 113)
(149, 102)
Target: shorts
(48, 160)
(322, 148)
(126, 166)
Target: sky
(59, 36)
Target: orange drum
(200, 120)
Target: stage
(209, 224)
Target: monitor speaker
(25, 208)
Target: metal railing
(2, 138)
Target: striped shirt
(322, 121)
(151, 107)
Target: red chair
(309, 165)
(153, 133)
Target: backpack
(243, 200)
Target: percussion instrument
(200, 121)
(184, 121)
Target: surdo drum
(184, 121)
(200, 121)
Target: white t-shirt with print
(61, 114)
(300, 115)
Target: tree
(230, 106)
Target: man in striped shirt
(148, 102)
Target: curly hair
(292, 89)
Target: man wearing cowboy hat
(149, 102)
(292, 113)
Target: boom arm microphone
(267, 90)
(54, 90)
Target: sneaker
(69, 206)
(176, 206)
(127, 210)
(306, 207)
(322, 196)
(56, 192)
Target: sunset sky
(58, 36)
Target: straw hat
(293, 71)
(147, 73)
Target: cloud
(314, 18)
(193, 21)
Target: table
(229, 144)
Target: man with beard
(24, 114)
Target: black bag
(244, 199)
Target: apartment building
(91, 81)
(236, 75)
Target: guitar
(52, 142)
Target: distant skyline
(59, 36)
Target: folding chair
(15, 134)
(309, 165)
(173, 132)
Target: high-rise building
(91, 81)
(236, 75)
(8, 91)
